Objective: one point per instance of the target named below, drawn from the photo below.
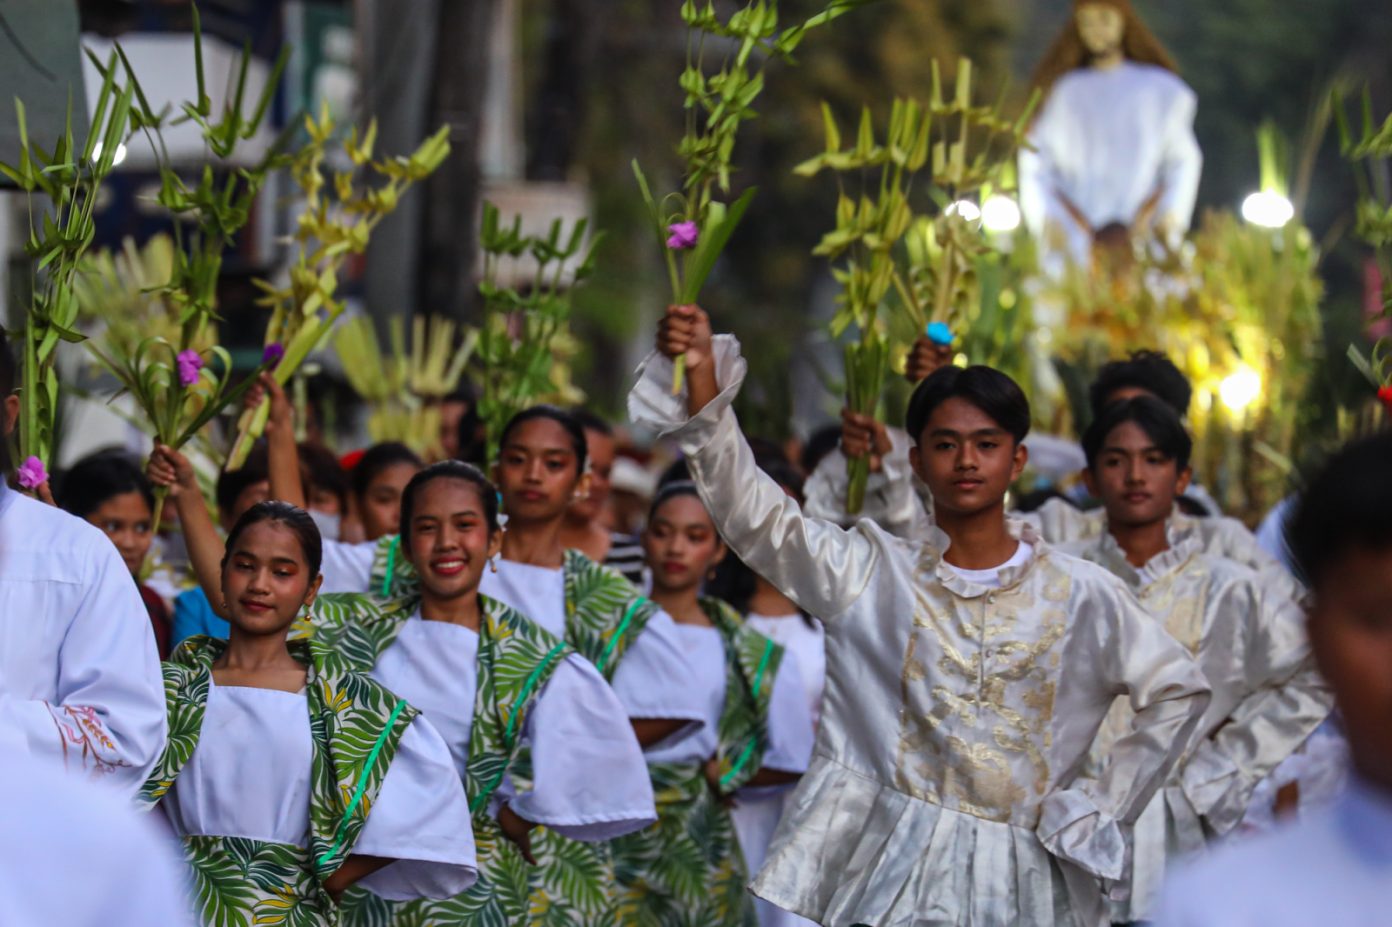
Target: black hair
(471, 449)
(377, 458)
(988, 389)
(673, 490)
(1148, 370)
(819, 444)
(566, 420)
(231, 483)
(1347, 506)
(451, 470)
(324, 471)
(678, 471)
(1191, 507)
(1034, 500)
(292, 517)
(1160, 423)
(591, 421)
(99, 477)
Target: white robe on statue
(956, 717)
(1108, 140)
(249, 776)
(589, 781)
(80, 684)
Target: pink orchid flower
(189, 363)
(32, 473)
(682, 235)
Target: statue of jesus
(1114, 155)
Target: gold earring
(492, 565)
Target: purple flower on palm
(189, 363)
(272, 355)
(32, 473)
(682, 235)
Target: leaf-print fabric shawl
(355, 725)
(688, 868)
(604, 612)
(516, 658)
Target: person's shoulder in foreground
(56, 827)
(1331, 868)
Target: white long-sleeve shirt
(80, 684)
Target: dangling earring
(492, 565)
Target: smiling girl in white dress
(288, 778)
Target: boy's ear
(914, 457)
(1089, 481)
(1021, 459)
(1186, 476)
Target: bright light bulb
(1000, 214)
(1268, 209)
(966, 209)
(120, 153)
(1240, 389)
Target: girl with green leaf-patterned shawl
(287, 778)
(543, 746)
(757, 734)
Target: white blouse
(249, 777)
(805, 641)
(789, 724)
(589, 780)
(80, 683)
(653, 680)
(956, 719)
(347, 567)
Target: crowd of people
(405, 692)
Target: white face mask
(328, 524)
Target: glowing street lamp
(1240, 389)
(1268, 209)
(1000, 214)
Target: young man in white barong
(968, 670)
(1267, 695)
(80, 685)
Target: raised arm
(282, 454)
(818, 565)
(1286, 700)
(172, 470)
